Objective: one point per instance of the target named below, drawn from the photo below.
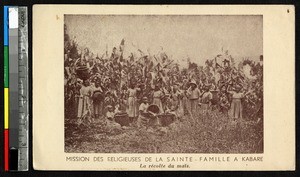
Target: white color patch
(13, 17)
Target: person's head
(206, 87)
(238, 88)
(79, 81)
(86, 83)
(193, 85)
(117, 106)
(175, 87)
(97, 84)
(156, 88)
(223, 88)
(73, 76)
(145, 100)
(114, 50)
(110, 108)
(131, 85)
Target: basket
(98, 96)
(166, 119)
(215, 97)
(153, 108)
(83, 73)
(122, 119)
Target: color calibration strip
(6, 91)
(16, 89)
(13, 51)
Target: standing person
(132, 102)
(176, 96)
(224, 104)
(97, 100)
(84, 100)
(70, 94)
(185, 100)
(236, 107)
(206, 99)
(157, 96)
(193, 94)
(77, 88)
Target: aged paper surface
(87, 134)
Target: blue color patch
(6, 23)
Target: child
(110, 113)
(110, 121)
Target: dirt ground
(213, 133)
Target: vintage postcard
(165, 88)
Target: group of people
(100, 87)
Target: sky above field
(196, 37)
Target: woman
(84, 100)
(132, 110)
(206, 99)
(176, 96)
(193, 94)
(236, 107)
(185, 100)
(143, 120)
(97, 100)
(157, 96)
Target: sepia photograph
(163, 84)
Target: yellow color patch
(6, 108)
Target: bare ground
(213, 133)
